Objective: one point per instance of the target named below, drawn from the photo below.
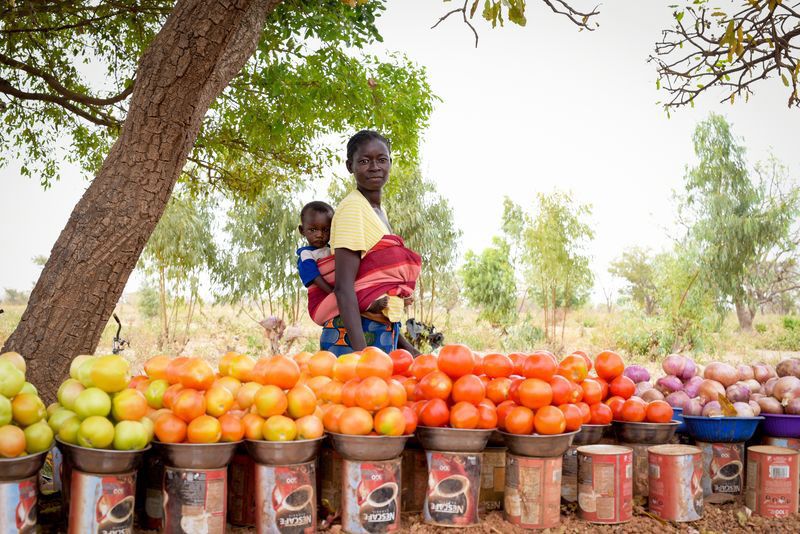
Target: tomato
(349, 390)
(456, 360)
(572, 416)
(519, 420)
(434, 413)
(468, 388)
(374, 362)
(502, 411)
(436, 385)
(535, 393)
(592, 391)
(478, 369)
(513, 391)
(422, 365)
(497, 389)
(616, 403)
(170, 428)
(464, 415)
(633, 411)
(622, 386)
(189, 404)
(609, 365)
(497, 365)
(549, 420)
(603, 386)
(401, 361)
(562, 390)
(518, 359)
(410, 384)
(281, 371)
(412, 419)
(487, 416)
(585, 410)
(585, 357)
(658, 411)
(601, 414)
(573, 368)
(539, 366)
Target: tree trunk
(201, 46)
(745, 315)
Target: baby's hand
(379, 305)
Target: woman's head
(369, 159)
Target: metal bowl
(196, 455)
(496, 439)
(650, 433)
(100, 461)
(22, 466)
(590, 434)
(453, 439)
(368, 448)
(283, 452)
(539, 445)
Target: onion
(786, 389)
(793, 407)
(770, 405)
(692, 386)
(637, 373)
(651, 395)
(756, 407)
(745, 372)
(712, 409)
(743, 409)
(693, 407)
(752, 384)
(641, 387)
(674, 364)
(738, 392)
(710, 390)
(756, 396)
(769, 386)
(790, 367)
(689, 370)
(668, 384)
(678, 399)
(761, 372)
(721, 372)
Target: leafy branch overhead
(732, 49)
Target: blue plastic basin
(722, 429)
(677, 415)
(782, 425)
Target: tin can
(493, 470)
(194, 500)
(415, 480)
(371, 496)
(788, 443)
(772, 480)
(532, 495)
(101, 503)
(329, 482)
(569, 474)
(18, 506)
(723, 467)
(454, 483)
(286, 497)
(242, 491)
(605, 483)
(676, 489)
(640, 468)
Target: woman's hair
(363, 137)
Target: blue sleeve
(307, 268)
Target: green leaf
(785, 80)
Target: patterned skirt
(334, 336)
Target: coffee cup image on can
(295, 513)
(195, 524)
(26, 516)
(380, 507)
(726, 471)
(118, 516)
(449, 496)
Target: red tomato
(600, 414)
(609, 365)
(622, 386)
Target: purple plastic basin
(781, 425)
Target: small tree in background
(489, 283)
(636, 266)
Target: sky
(530, 110)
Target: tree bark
(201, 46)
(745, 314)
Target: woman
(370, 263)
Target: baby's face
(316, 228)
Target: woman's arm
(347, 263)
(403, 343)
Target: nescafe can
(454, 484)
(532, 491)
(371, 496)
(18, 505)
(675, 486)
(772, 480)
(605, 483)
(723, 467)
(194, 500)
(101, 503)
(286, 497)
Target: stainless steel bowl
(101, 461)
(368, 448)
(283, 452)
(539, 445)
(453, 439)
(196, 455)
(22, 466)
(496, 439)
(590, 434)
(650, 433)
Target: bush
(658, 335)
(148, 301)
(522, 336)
(761, 328)
(790, 323)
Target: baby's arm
(322, 284)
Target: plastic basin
(677, 415)
(781, 425)
(722, 429)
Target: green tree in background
(740, 224)
(489, 283)
(179, 251)
(637, 267)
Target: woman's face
(370, 165)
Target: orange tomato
(609, 365)
(282, 372)
(401, 361)
(397, 393)
(156, 367)
(456, 360)
(204, 429)
(464, 415)
(189, 404)
(390, 421)
(539, 365)
(592, 391)
(372, 394)
(331, 418)
(519, 420)
(468, 388)
(603, 386)
(349, 392)
(563, 391)
(410, 384)
(616, 403)
(218, 401)
(601, 414)
(633, 411)
(502, 411)
(355, 421)
(253, 426)
(573, 417)
(436, 385)
(411, 419)
(374, 362)
(170, 428)
(487, 416)
(549, 420)
(585, 357)
(231, 427)
(573, 368)
(321, 364)
(513, 390)
(497, 389)
(173, 369)
(497, 365)
(345, 367)
(423, 365)
(585, 411)
(478, 369)
(622, 386)
(518, 359)
(197, 374)
(434, 413)
(535, 393)
(658, 411)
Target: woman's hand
(347, 263)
